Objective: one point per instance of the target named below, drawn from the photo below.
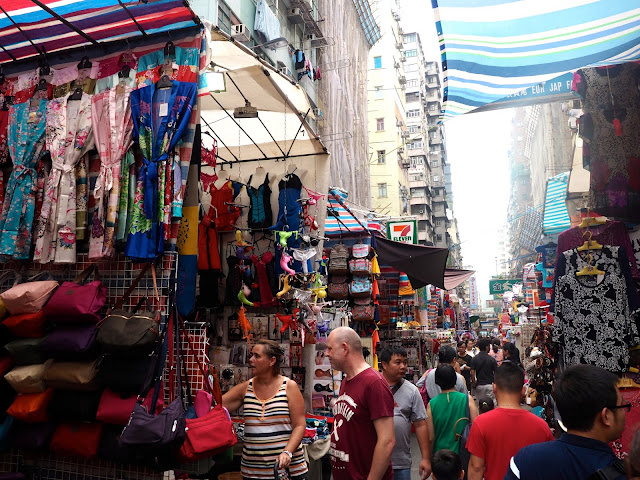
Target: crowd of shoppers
(473, 425)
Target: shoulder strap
(397, 386)
(134, 284)
(610, 472)
(83, 276)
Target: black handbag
(126, 375)
(131, 333)
(67, 405)
(156, 437)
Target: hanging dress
(69, 136)
(112, 128)
(260, 215)
(26, 139)
(160, 120)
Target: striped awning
(494, 48)
(32, 27)
(556, 216)
(341, 222)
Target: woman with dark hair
(273, 416)
(511, 354)
(496, 351)
(448, 411)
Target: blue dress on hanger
(160, 120)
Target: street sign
(494, 303)
(404, 231)
(501, 286)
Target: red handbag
(74, 302)
(26, 325)
(80, 439)
(211, 434)
(116, 409)
(31, 407)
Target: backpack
(338, 259)
(610, 472)
(423, 390)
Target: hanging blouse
(112, 128)
(69, 137)
(4, 128)
(26, 144)
(160, 119)
(127, 195)
(596, 315)
(184, 66)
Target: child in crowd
(485, 404)
(446, 465)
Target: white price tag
(164, 109)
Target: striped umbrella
(556, 216)
(494, 48)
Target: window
(435, 179)
(413, 113)
(413, 82)
(382, 190)
(431, 79)
(409, 38)
(438, 238)
(382, 156)
(224, 17)
(438, 223)
(411, 53)
(414, 128)
(378, 90)
(411, 68)
(416, 160)
(412, 97)
(417, 143)
(377, 62)
(379, 124)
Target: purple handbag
(75, 302)
(32, 436)
(70, 342)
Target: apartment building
(335, 36)
(387, 83)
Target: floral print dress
(69, 136)
(160, 120)
(112, 129)
(26, 139)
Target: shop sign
(494, 303)
(501, 286)
(474, 300)
(405, 232)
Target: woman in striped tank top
(274, 422)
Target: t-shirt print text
(343, 410)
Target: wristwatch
(288, 453)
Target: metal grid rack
(117, 274)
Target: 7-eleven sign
(404, 231)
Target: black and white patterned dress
(596, 315)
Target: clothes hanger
(84, 63)
(590, 221)
(589, 269)
(590, 244)
(170, 49)
(164, 82)
(77, 94)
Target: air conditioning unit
(318, 113)
(240, 33)
(405, 134)
(309, 36)
(421, 212)
(403, 58)
(396, 64)
(295, 16)
(402, 79)
(396, 16)
(399, 45)
(399, 123)
(284, 71)
(400, 150)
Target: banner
(501, 286)
(474, 297)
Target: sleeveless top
(446, 409)
(260, 215)
(267, 429)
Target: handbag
(80, 439)
(115, 408)
(26, 351)
(28, 378)
(360, 250)
(32, 436)
(360, 266)
(72, 375)
(28, 297)
(210, 434)
(131, 333)
(363, 313)
(361, 287)
(338, 259)
(156, 436)
(71, 342)
(31, 407)
(26, 325)
(67, 405)
(74, 302)
(126, 375)
(338, 288)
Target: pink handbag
(74, 302)
(116, 409)
(28, 297)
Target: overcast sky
(477, 146)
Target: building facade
(335, 36)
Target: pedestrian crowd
(467, 415)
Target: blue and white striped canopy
(493, 48)
(556, 216)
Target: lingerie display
(260, 215)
